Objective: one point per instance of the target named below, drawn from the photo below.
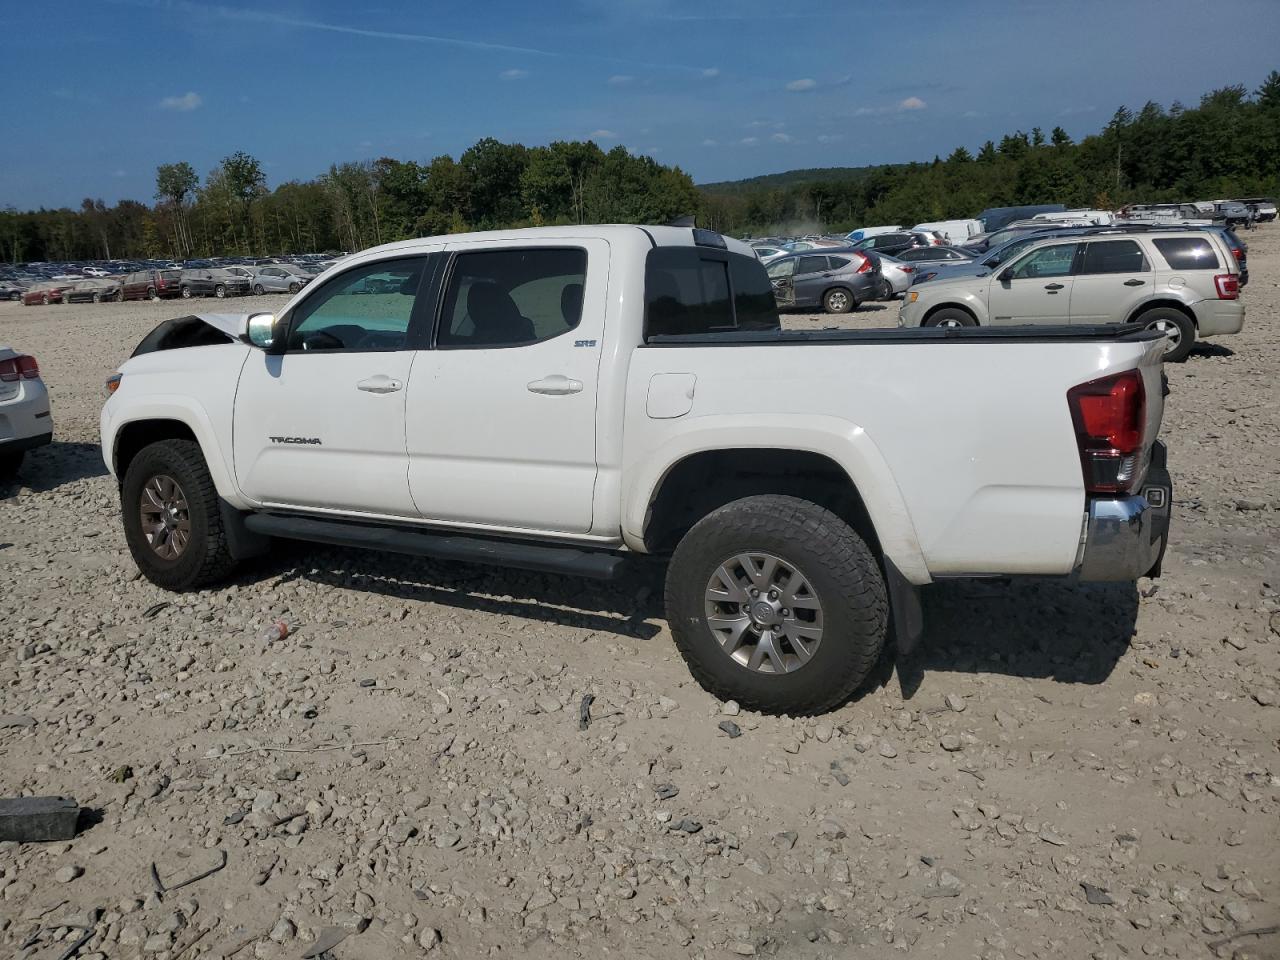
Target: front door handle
(380, 384)
(1134, 283)
(556, 385)
(1053, 287)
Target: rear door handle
(556, 385)
(1055, 287)
(1134, 283)
(380, 384)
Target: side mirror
(261, 331)
(1006, 275)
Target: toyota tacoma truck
(561, 399)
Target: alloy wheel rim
(838, 300)
(1170, 330)
(949, 323)
(763, 613)
(166, 519)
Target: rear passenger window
(839, 263)
(511, 298)
(690, 291)
(1114, 256)
(812, 265)
(1187, 253)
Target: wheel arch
(171, 421)
(1168, 302)
(829, 461)
(950, 305)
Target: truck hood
(196, 330)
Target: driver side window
(362, 310)
(1052, 261)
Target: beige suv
(1181, 282)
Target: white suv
(25, 420)
(1185, 284)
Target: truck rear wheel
(171, 518)
(777, 603)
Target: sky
(96, 93)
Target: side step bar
(598, 565)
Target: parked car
(213, 283)
(11, 290)
(894, 243)
(44, 294)
(151, 285)
(853, 236)
(25, 420)
(951, 231)
(1233, 212)
(91, 291)
(1184, 284)
(900, 272)
(1083, 217)
(799, 516)
(835, 281)
(1264, 208)
(768, 253)
(279, 278)
(993, 218)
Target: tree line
(356, 205)
(1227, 146)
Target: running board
(598, 565)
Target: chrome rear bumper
(1125, 537)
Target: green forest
(1226, 146)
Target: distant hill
(792, 178)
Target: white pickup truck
(557, 399)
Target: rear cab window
(1187, 253)
(691, 290)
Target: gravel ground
(1056, 772)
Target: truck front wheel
(777, 603)
(171, 518)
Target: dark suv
(213, 283)
(151, 285)
(892, 244)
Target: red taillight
(1228, 285)
(908, 269)
(20, 367)
(1110, 416)
(866, 264)
(1238, 253)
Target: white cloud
(620, 80)
(119, 173)
(749, 141)
(912, 103)
(710, 143)
(515, 73)
(711, 72)
(830, 137)
(780, 138)
(602, 135)
(800, 86)
(188, 101)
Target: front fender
(187, 411)
(845, 443)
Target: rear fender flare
(843, 442)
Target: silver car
(280, 278)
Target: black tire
(839, 300)
(44, 300)
(206, 558)
(842, 572)
(97, 297)
(186, 293)
(295, 287)
(1158, 317)
(220, 291)
(152, 294)
(9, 464)
(950, 317)
(885, 291)
(257, 290)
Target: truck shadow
(1034, 628)
(625, 607)
(49, 467)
